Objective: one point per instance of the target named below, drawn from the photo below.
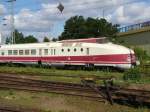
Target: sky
(42, 18)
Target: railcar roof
(57, 44)
(29, 45)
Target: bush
(141, 54)
(132, 74)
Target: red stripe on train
(116, 58)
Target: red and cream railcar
(84, 52)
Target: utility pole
(12, 21)
(103, 13)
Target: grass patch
(57, 75)
(45, 71)
(73, 76)
(59, 103)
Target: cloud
(48, 16)
(30, 21)
(2, 9)
(131, 14)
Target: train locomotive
(90, 52)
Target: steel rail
(93, 92)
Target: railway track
(45, 86)
(15, 109)
(132, 96)
(98, 93)
(8, 110)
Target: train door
(87, 51)
(51, 51)
(40, 52)
(89, 64)
(52, 57)
(40, 57)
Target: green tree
(19, 37)
(74, 28)
(46, 39)
(7, 40)
(54, 39)
(30, 39)
(79, 27)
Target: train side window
(62, 50)
(9, 52)
(15, 52)
(2, 53)
(88, 52)
(81, 49)
(20, 52)
(75, 49)
(45, 51)
(68, 50)
(33, 51)
(26, 52)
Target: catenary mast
(12, 21)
